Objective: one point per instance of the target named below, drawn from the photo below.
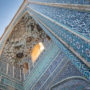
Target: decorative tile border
(39, 70)
(77, 62)
(75, 21)
(78, 46)
(3, 87)
(10, 82)
(64, 1)
(70, 41)
(40, 60)
(60, 62)
(76, 78)
(68, 6)
(8, 72)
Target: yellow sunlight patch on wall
(37, 50)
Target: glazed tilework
(11, 83)
(78, 44)
(3, 71)
(53, 71)
(10, 70)
(59, 60)
(68, 71)
(71, 85)
(77, 62)
(7, 78)
(76, 87)
(63, 71)
(41, 57)
(73, 19)
(5, 81)
(17, 73)
(65, 1)
(2, 87)
(40, 68)
(3, 67)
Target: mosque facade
(46, 46)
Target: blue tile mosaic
(68, 71)
(43, 65)
(13, 84)
(10, 70)
(76, 21)
(48, 72)
(9, 82)
(78, 44)
(73, 19)
(78, 85)
(73, 58)
(57, 75)
(3, 67)
(65, 1)
(17, 73)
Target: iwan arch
(47, 47)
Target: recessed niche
(48, 37)
(29, 39)
(18, 47)
(19, 55)
(39, 28)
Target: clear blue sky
(8, 9)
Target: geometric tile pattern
(41, 67)
(65, 1)
(80, 45)
(77, 62)
(75, 20)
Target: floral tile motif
(75, 20)
(68, 36)
(65, 1)
(77, 43)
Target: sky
(8, 9)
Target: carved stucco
(26, 34)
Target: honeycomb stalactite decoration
(25, 35)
